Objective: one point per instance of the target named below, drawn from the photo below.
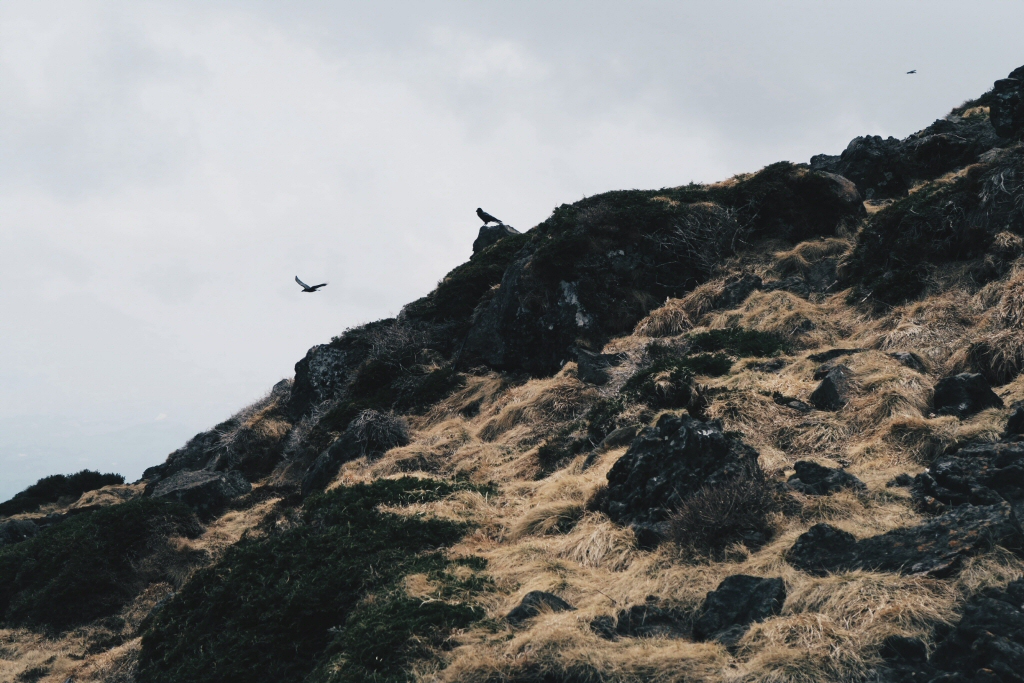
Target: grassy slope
(535, 533)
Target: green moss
(650, 386)
(738, 342)
(53, 488)
(325, 596)
(86, 567)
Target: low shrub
(666, 383)
(90, 565)
(378, 432)
(324, 598)
(719, 516)
(53, 488)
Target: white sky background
(166, 169)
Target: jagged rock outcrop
(834, 390)
(535, 602)
(371, 433)
(813, 479)
(1015, 421)
(322, 374)
(1007, 105)
(490, 234)
(669, 462)
(206, 492)
(935, 548)
(963, 395)
(739, 601)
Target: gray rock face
(740, 600)
(535, 602)
(669, 462)
(321, 375)
(1007, 108)
(372, 433)
(489, 234)
(813, 479)
(204, 491)
(936, 548)
(16, 530)
(963, 395)
(832, 354)
(834, 390)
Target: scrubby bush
(324, 597)
(378, 432)
(89, 566)
(719, 516)
(53, 488)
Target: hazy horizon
(167, 168)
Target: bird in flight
(487, 218)
(912, 71)
(307, 288)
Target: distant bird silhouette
(912, 71)
(487, 218)
(307, 288)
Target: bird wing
(912, 71)
(301, 282)
(319, 286)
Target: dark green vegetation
(716, 517)
(90, 565)
(739, 342)
(53, 488)
(940, 223)
(324, 598)
(580, 436)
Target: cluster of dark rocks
(725, 615)
(667, 463)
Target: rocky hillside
(769, 429)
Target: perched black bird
(307, 288)
(487, 218)
(912, 71)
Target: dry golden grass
(539, 535)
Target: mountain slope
(807, 376)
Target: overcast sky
(167, 168)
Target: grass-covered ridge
(55, 487)
(324, 598)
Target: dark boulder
(981, 474)
(910, 360)
(936, 548)
(902, 480)
(650, 620)
(489, 234)
(198, 452)
(16, 530)
(206, 492)
(871, 162)
(813, 479)
(740, 600)
(832, 354)
(834, 389)
(535, 602)
(964, 394)
(988, 642)
(1015, 422)
(322, 375)
(593, 367)
(604, 627)
(670, 462)
(1006, 110)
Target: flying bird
(307, 288)
(912, 71)
(487, 218)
